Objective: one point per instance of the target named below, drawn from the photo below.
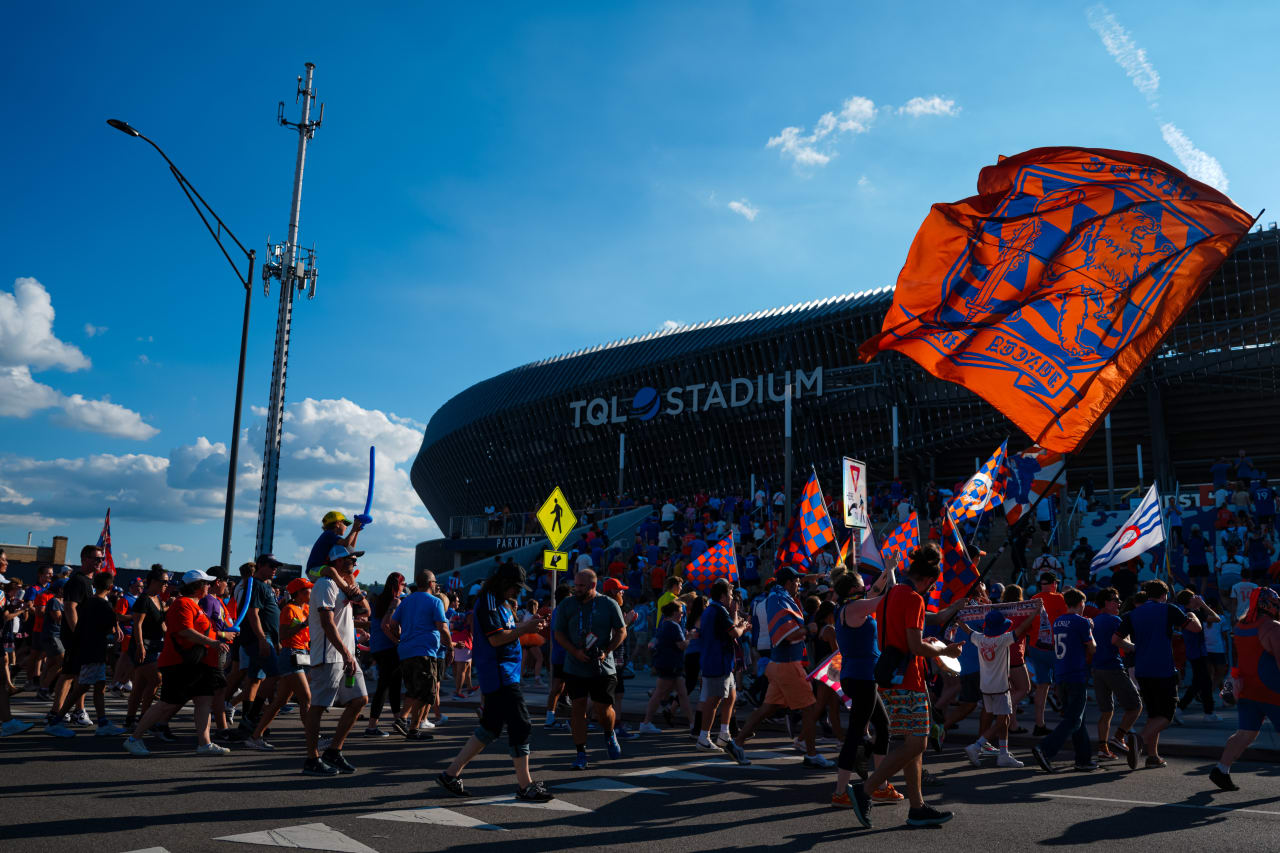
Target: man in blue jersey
(1072, 646)
(720, 628)
(1150, 628)
(1111, 682)
(495, 657)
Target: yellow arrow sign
(556, 518)
(555, 561)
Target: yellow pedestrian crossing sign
(555, 561)
(556, 518)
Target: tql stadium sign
(648, 403)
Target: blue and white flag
(868, 551)
(1142, 532)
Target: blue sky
(492, 187)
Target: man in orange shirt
(1040, 657)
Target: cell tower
(295, 269)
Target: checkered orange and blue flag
(1047, 292)
(899, 544)
(104, 542)
(958, 571)
(984, 490)
(718, 561)
(810, 531)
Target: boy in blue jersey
(495, 656)
(1111, 682)
(720, 628)
(1072, 646)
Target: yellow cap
(333, 517)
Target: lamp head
(122, 126)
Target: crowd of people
(244, 651)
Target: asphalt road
(88, 793)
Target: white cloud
(799, 148)
(30, 521)
(104, 417)
(935, 105)
(864, 183)
(173, 549)
(744, 209)
(21, 396)
(11, 496)
(142, 359)
(92, 331)
(1125, 51)
(147, 339)
(856, 114)
(1198, 164)
(26, 331)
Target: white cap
(196, 575)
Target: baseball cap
(269, 559)
(297, 584)
(333, 517)
(195, 575)
(1048, 577)
(613, 585)
(217, 573)
(786, 573)
(337, 552)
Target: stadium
(701, 407)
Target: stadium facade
(701, 406)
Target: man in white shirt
(1046, 562)
(1240, 596)
(668, 512)
(334, 676)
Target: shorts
(971, 688)
(421, 677)
(329, 688)
(92, 673)
(1040, 662)
(908, 712)
(51, 645)
(1217, 658)
(1252, 713)
(244, 666)
(717, 686)
(1000, 704)
(557, 671)
(286, 664)
(505, 707)
(182, 682)
(461, 654)
(1109, 684)
(1160, 695)
(70, 666)
(599, 687)
(261, 667)
(788, 685)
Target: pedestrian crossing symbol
(556, 518)
(555, 561)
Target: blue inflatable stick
(368, 498)
(244, 605)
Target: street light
(201, 206)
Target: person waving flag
(1143, 531)
(104, 542)
(811, 529)
(901, 542)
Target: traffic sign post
(557, 521)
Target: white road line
(150, 850)
(509, 800)
(726, 763)
(673, 773)
(604, 783)
(437, 815)
(1170, 805)
(307, 836)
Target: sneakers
(861, 802)
(927, 816)
(931, 780)
(1006, 759)
(1104, 754)
(937, 734)
(42, 694)
(58, 729)
(615, 750)
(579, 762)
(887, 794)
(419, 735)
(212, 748)
(1222, 780)
(108, 730)
(1131, 750)
(1040, 731)
(562, 726)
(1038, 754)
(14, 727)
(734, 751)
(335, 759)
(1154, 761)
(817, 760)
(974, 751)
(453, 786)
(401, 725)
(800, 746)
(649, 729)
(375, 732)
(317, 767)
(1116, 742)
(426, 724)
(81, 720)
(134, 746)
(622, 733)
(1085, 768)
(535, 793)
(705, 745)
(163, 735)
(1212, 718)
(841, 801)
(989, 748)
(258, 744)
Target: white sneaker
(799, 745)
(81, 719)
(1006, 759)
(258, 744)
(427, 724)
(127, 687)
(108, 730)
(133, 746)
(649, 729)
(989, 748)
(212, 749)
(705, 744)
(974, 751)
(817, 760)
(1212, 718)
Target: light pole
(201, 206)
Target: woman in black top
(148, 640)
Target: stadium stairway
(621, 528)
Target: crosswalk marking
(437, 815)
(150, 850)
(603, 783)
(307, 836)
(674, 774)
(509, 800)
(724, 762)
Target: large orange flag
(1049, 290)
